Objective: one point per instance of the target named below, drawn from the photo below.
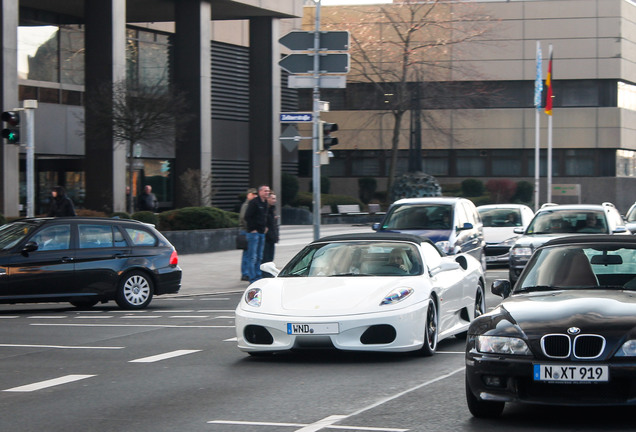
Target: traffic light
(327, 140)
(12, 130)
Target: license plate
(312, 329)
(571, 373)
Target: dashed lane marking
(163, 356)
(59, 346)
(48, 383)
(134, 325)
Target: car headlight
(253, 297)
(501, 345)
(444, 246)
(509, 242)
(397, 295)
(628, 349)
(521, 251)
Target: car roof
(502, 206)
(430, 200)
(55, 220)
(376, 237)
(591, 239)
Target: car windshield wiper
(537, 288)
(351, 274)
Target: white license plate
(312, 329)
(571, 373)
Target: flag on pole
(548, 86)
(538, 82)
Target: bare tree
(405, 50)
(138, 113)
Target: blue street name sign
(296, 117)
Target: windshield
(355, 259)
(419, 217)
(500, 217)
(572, 267)
(631, 216)
(568, 221)
(11, 234)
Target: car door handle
(67, 259)
(120, 255)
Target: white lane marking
(163, 356)
(451, 352)
(48, 383)
(47, 316)
(321, 424)
(141, 317)
(305, 426)
(234, 339)
(189, 316)
(215, 311)
(9, 316)
(59, 346)
(95, 317)
(130, 325)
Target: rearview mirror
(501, 288)
(30, 247)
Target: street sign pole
(29, 110)
(316, 126)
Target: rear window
(500, 217)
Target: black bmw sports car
(85, 261)
(566, 334)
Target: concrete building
(491, 133)
(222, 54)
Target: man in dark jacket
(148, 200)
(61, 204)
(256, 224)
(271, 236)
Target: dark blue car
(453, 224)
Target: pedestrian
(61, 204)
(251, 194)
(148, 200)
(272, 234)
(256, 223)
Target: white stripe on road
(59, 346)
(131, 325)
(234, 339)
(164, 356)
(189, 316)
(309, 427)
(48, 383)
(9, 316)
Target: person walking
(148, 200)
(61, 204)
(272, 234)
(256, 223)
(251, 194)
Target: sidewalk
(220, 272)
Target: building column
(265, 103)
(105, 60)
(9, 154)
(192, 76)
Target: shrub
(145, 216)
(501, 190)
(289, 186)
(525, 191)
(366, 188)
(190, 218)
(472, 188)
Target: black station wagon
(85, 261)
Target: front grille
(583, 346)
(588, 346)
(497, 250)
(556, 345)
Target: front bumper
(510, 379)
(496, 254)
(395, 330)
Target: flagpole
(548, 105)
(538, 89)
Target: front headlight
(253, 297)
(521, 251)
(628, 349)
(444, 246)
(509, 242)
(397, 295)
(501, 345)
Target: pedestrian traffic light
(12, 130)
(327, 140)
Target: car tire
(481, 408)
(135, 290)
(84, 304)
(480, 301)
(431, 331)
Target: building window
(505, 163)
(580, 163)
(625, 163)
(470, 163)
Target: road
(175, 367)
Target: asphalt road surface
(175, 367)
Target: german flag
(548, 87)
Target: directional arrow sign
(304, 63)
(304, 40)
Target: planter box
(202, 241)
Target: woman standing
(61, 204)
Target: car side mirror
(375, 226)
(270, 267)
(501, 288)
(29, 247)
(466, 226)
(620, 230)
(519, 230)
(446, 265)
